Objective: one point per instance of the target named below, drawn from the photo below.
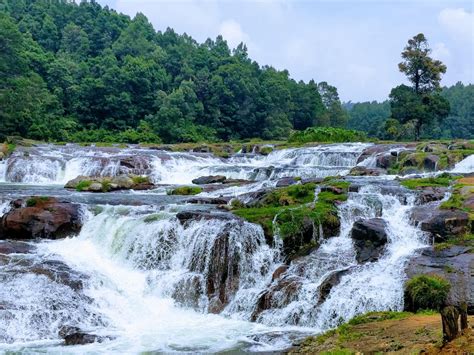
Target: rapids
(144, 275)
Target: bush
(83, 185)
(327, 135)
(426, 292)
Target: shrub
(33, 201)
(327, 135)
(138, 179)
(426, 292)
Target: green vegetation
(290, 212)
(427, 292)
(327, 135)
(33, 201)
(138, 179)
(83, 185)
(443, 180)
(185, 190)
(80, 72)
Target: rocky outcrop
(40, 217)
(441, 224)
(364, 171)
(455, 264)
(208, 200)
(75, 336)
(332, 280)
(111, 183)
(287, 181)
(369, 237)
(211, 179)
(430, 194)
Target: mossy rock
(185, 190)
(426, 292)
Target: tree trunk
(449, 318)
(463, 312)
(417, 130)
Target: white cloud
(440, 51)
(458, 22)
(233, 33)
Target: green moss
(427, 291)
(377, 317)
(290, 195)
(439, 181)
(266, 150)
(33, 201)
(106, 185)
(327, 134)
(83, 185)
(138, 179)
(185, 190)
(464, 240)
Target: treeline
(82, 72)
(374, 118)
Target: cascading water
(151, 281)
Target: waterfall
(48, 164)
(154, 280)
(465, 166)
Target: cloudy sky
(354, 45)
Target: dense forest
(374, 117)
(82, 72)
(87, 73)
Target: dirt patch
(466, 181)
(414, 334)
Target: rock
(211, 179)
(95, 187)
(14, 247)
(430, 162)
(329, 282)
(75, 336)
(122, 182)
(445, 223)
(208, 200)
(135, 164)
(430, 194)
(279, 271)
(455, 264)
(369, 237)
(237, 182)
(278, 295)
(386, 161)
(377, 149)
(333, 189)
(287, 181)
(314, 180)
(364, 171)
(189, 216)
(42, 217)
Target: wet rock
(59, 272)
(333, 189)
(75, 336)
(237, 182)
(455, 264)
(287, 181)
(279, 271)
(211, 179)
(430, 194)
(369, 237)
(440, 223)
(208, 200)
(364, 171)
(386, 161)
(315, 180)
(377, 149)
(135, 164)
(430, 162)
(333, 279)
(278, 295)
(111, 183)
(42, 217)
(188, 292)
(15, 247)
(185, 217)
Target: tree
(420, 104)
(421, 70)
(336, 116)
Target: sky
(353, 45)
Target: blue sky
(354, 45)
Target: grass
(83, 185)
(427, 292)
(327, 135)
(443, 180)
(185, 190)
(33, 201)
(463, 240)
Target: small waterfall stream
(153, 282)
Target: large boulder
(41, 217)
(369, 237)
(211, 179)
(441, 224)
(287, 181)
(386, 160)
(455, 264)
(75, 336)
(364, 171)
(430, 194)
(110, 183)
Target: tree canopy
(80, 71)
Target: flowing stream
(144, 277)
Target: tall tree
(420, 104)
